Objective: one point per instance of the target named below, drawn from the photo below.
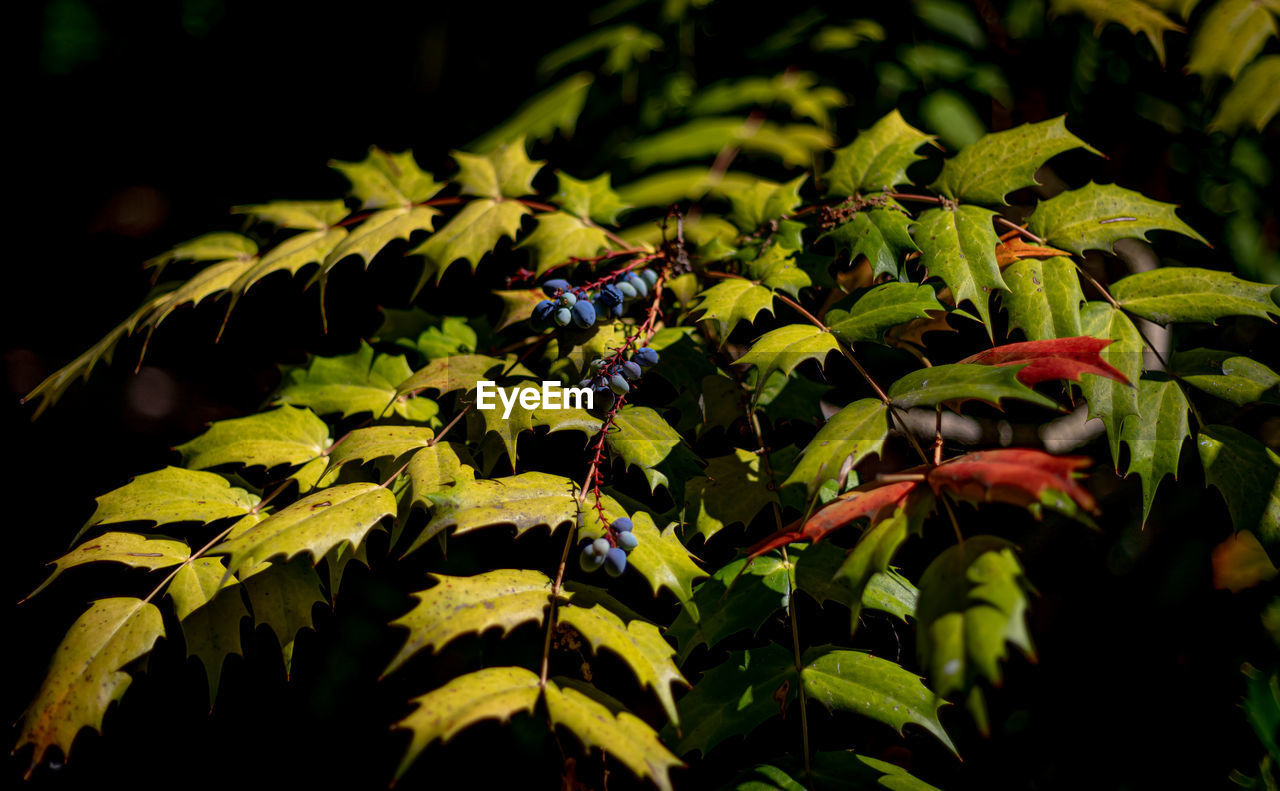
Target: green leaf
(735, 698)
(458, 372)
(377, 442)
(793, 144)
(368, 238)
(731, 301)
(852, 434)
(433, 468)
(1248, 475)
(314, 524)
(777, 269)
(559, 237)
(212, 281)
(1253, 100)
(624, 737)
(87, 674)
(218, 246)
(625, 45)
(210, 615)
(1155, 435)
(1185, 293)
(1230, 36)
(882, 235)
(1096, 216)
(306, 215)
(291, 255)
(872, 555)
(504, 172)
(643, 439)
(833, 770)
(288, 435)
(1112, 401)
(528, 500)
(353, 383)
(819, 574)
(1262, 707)
(385, 179)
(1229, 376)
(999, 163)
(973, 600)
(798, 90)
(661, 558)
(171, 495)
(877, 159)
(963, 381)
(428, 335)
(491, 693)
(1137, 16)
(504, 598)
(554, 110)
(732, 491)
(959, 246)
(507, 428)
(879, 308)
(130, 549)
(636, 642)
(1044, 298)
(855, 682)
(735, 599)
(469, 235)
(786, 347)
(761, 201)
(282, 596)
(593, 199)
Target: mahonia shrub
(762, 420)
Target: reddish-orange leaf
(1014, 249)
(1019, 476)
(1060, 358)
(875, 501)
(913, 331)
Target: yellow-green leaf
(384, 179)
(172, 495)
(288, 435)
(524, 501)
(877, 159)
(130, 549)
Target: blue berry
(645, 357)
(603, 399)
(618, 384)
(617, 310)
(615, 562)
(552, 287)
(621, 525)
(634, 280)
(628, 542)
(589, 560)
(650, 277)
(563, 317)
(584, 314)
(631, 370)
(628, 290)
(610, 295)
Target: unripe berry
(568, 299)
(563, 317)
(603, 399)
(601, 546)
(589, 560)
(635, 281)
(618, 384)
(628, 290)
(650, 277)
(628, 542)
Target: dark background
(139, 123)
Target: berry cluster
(584, 307)
(613, 377)
(603, 552)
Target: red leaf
(1061, 358)
(1014, 475)
(874, 501)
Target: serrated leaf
(1011, 250)
(282, 596)
(1230, 36)
(288, 435)
(1096, 216)
(377, 231)
(171, 495)
(592, 199)
(458, 372)
(880, 308)
(736, 697)
(1227, 375)
(872, 555)
(210, 282)
(217, 246)
(855, 682)
(761, 201)
(798, 90)
(469, 235)
(624, 737)
(852, 434)
(1109, 400)
(130, 549)
(1248, 475)
(314, 524)
(786, 347)
(560, 237)
(819, 574)
(638, 643)
(1155, 437)
(490, 693)
(353, 383)
(733, 490)
(1185, 293)
(1044, 298)
(883, 236)
(1137, 16)
(1253, 100)
(871, 501)
(291, 255)
(210, 615)
(959, 246)
(504, 598)
(86, 674)
(384, 179)
(793, 144)
(959, 382)
(554, 110)
(306, 215)
(507, 426)
(625, 45)
(504, 172)
(643, 439)
(1058, 358)
(999, 163)
(377, 442)
(731, 301)
(661, 558)
(1023, 477)
(740, 596)
(528, 500)
(877, 159)
(517, 306)
(433, 468)
(833, 770)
